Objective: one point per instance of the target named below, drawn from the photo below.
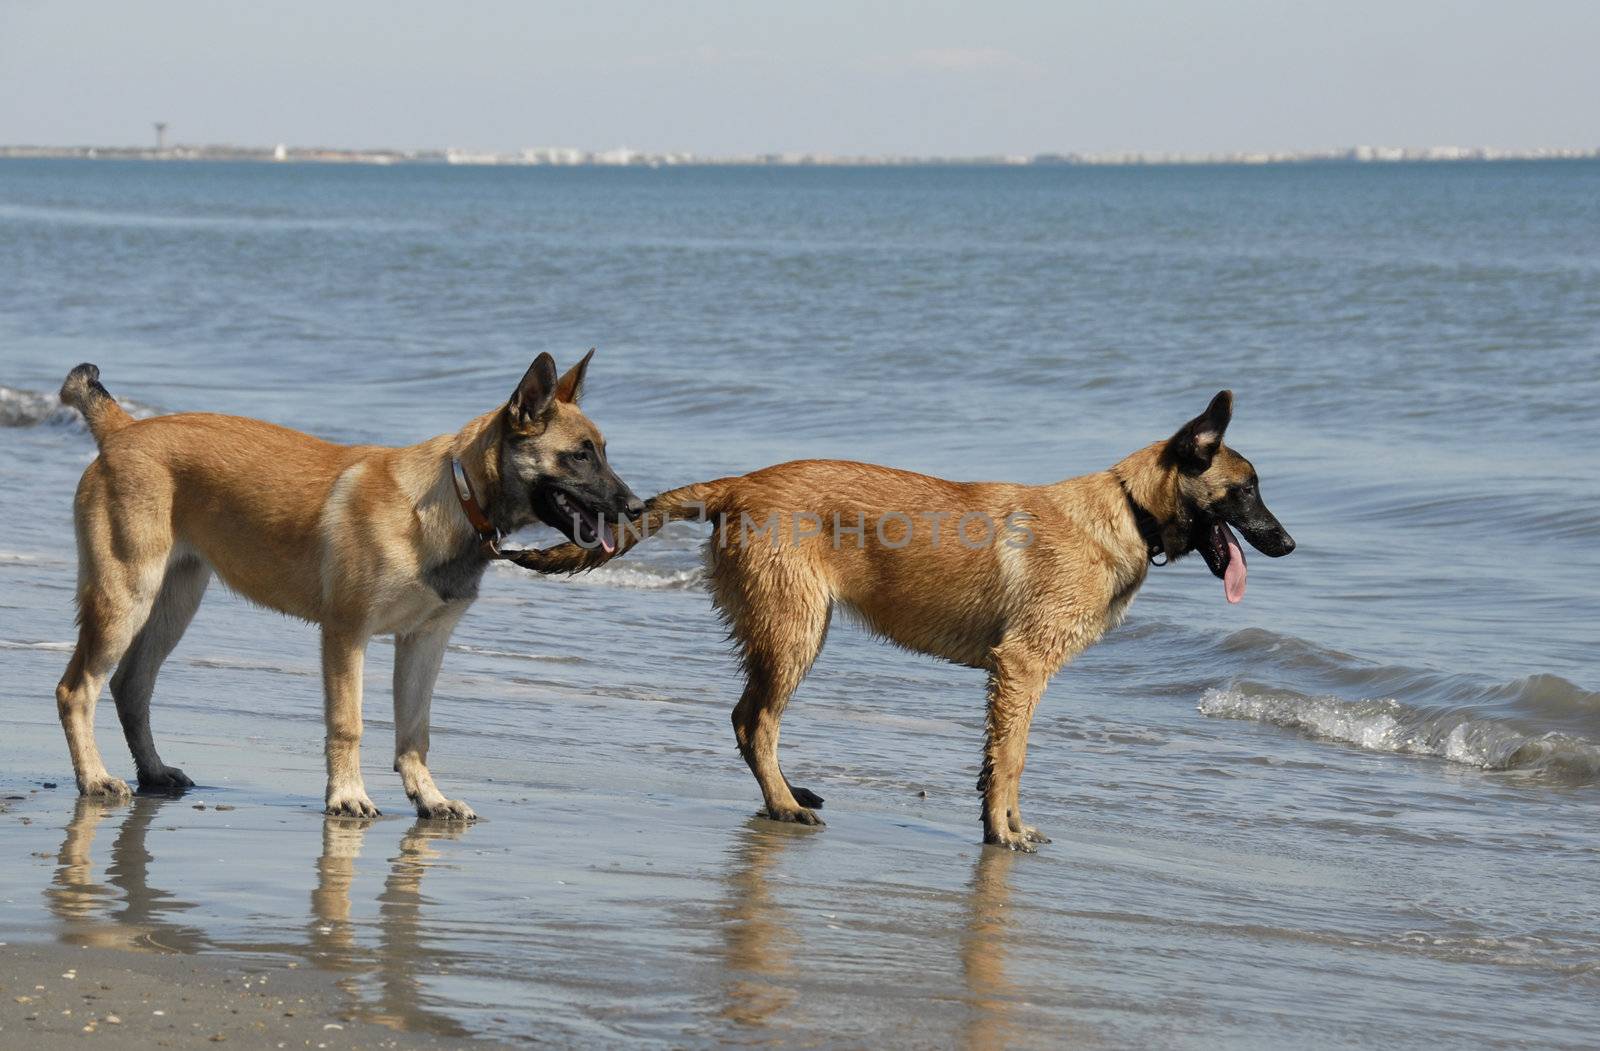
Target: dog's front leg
(416, 667)
(342, 658)
(1015, 687)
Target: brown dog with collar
(361, 540)
(1013, 579)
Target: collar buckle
(488, 536)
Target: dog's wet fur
(361, 540)
(1018, 613)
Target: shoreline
(624, 158)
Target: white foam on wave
(1512, 950)
(1387, 725)
(19, 644)
(25, 408)
(30, 408)
(645, 577)
(635, 576)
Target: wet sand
(58, 996)
(577, 918)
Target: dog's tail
(81, 390)
(692, 503)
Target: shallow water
(1357, 808)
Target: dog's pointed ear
(570, 387)
(534, 395)
(1197, 441)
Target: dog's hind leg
(120, 569)
(416, 667)
(804, 796)
(342, 658)
(1015, 686)
(135, 679)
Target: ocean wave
(1517, 950)
(21, 558)
(1387, 725)
(28, 408)
(19, 644)
(637, 576)
(643, 576)
(1543, 695)
(1544, 511)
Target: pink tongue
(1233, 576)
(607, 544)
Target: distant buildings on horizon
(622, 157)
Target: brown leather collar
(488, 536)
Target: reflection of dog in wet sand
(362, 540)
(1019, 606)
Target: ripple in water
(1388, 725)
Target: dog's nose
(634, 507)
(1288, 544)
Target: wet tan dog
(1013, 579)
(362, 540)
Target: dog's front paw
(168, 778)
(447, 810)
(351, 804)
(798, 816)
(105, 787)
(1011, 841)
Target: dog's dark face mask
(1217, 489)
(553, 461)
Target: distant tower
(161, 135)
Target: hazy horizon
(916, 79)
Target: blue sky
(851, 77)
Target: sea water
(1358, 808)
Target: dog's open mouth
(579, 523)
(1225, 557)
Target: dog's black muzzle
(580, 508)
(1259, 526)
(613, 497)
(1269, 538)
